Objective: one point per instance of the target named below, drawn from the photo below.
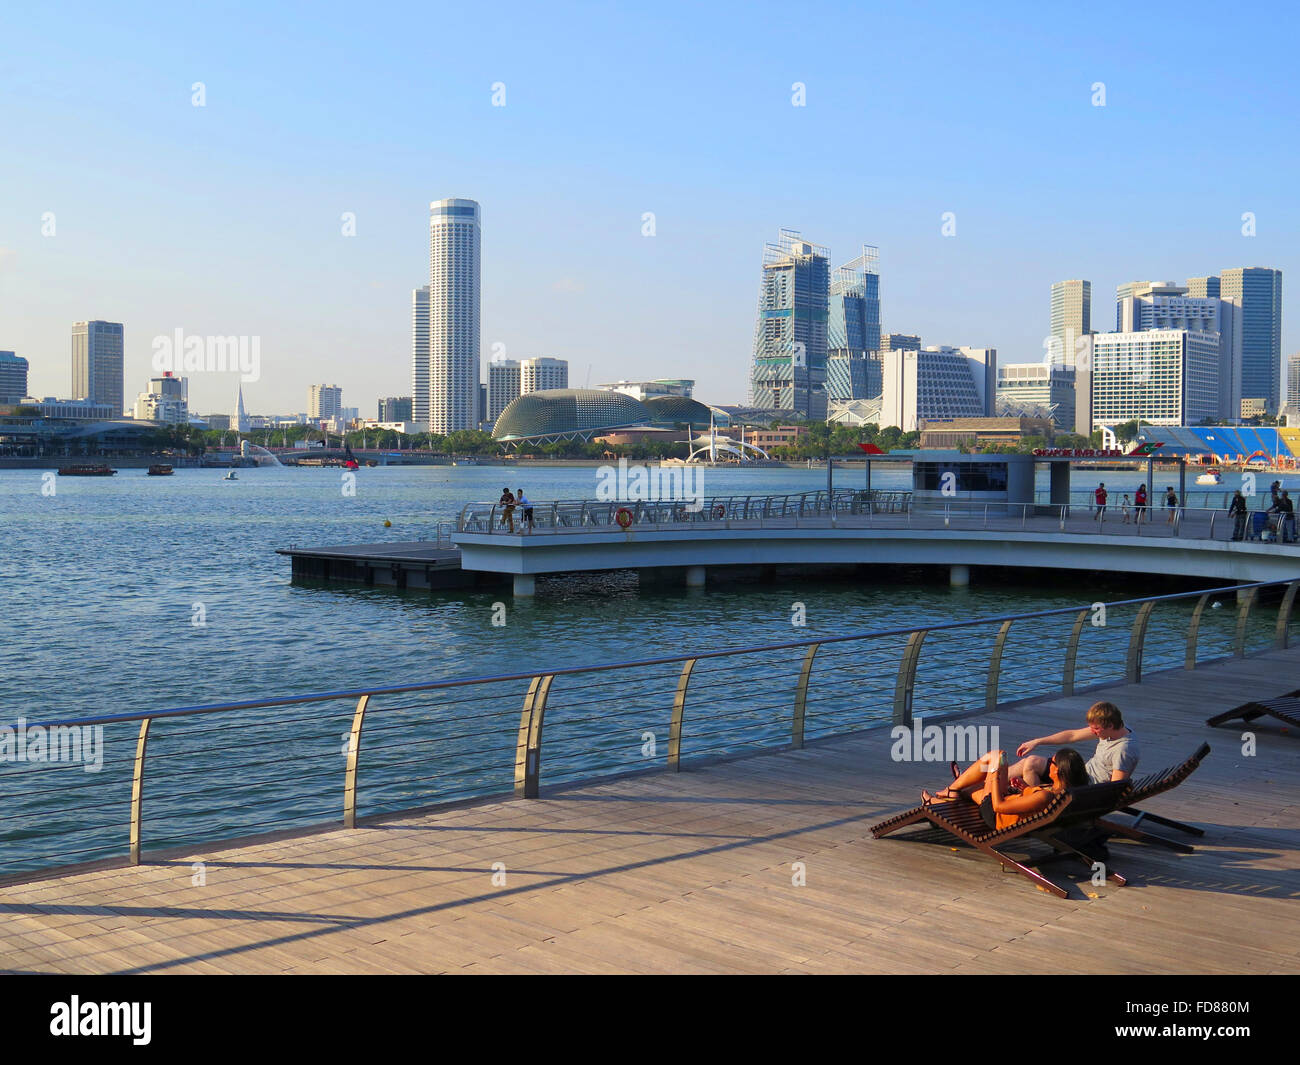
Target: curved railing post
(354, 748)
(1280, 638)
(679, 709)
(995, 667)
(1243, 615)
(1072, 652)
(907, 678)
(1137, 637)
(137, 790)
(528, 747)
(1194, 631)
(801, 696)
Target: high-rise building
(503, 385)
(541, 373)
(97, 363)
(1203, 286)
(643, 390)
(1071, 319)
(937, 384)
(420, 356)
(451, 398)
(1037, 390)
(1293, 380)
(1163, 376)
(13, 377)
(165, 400)
(1144, 305)
(852, 374)
(1256, 293)
(324, 402)
(853, 313)
(900, 342)
(789, 370)
(395, 409)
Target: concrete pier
(695, 576)
(959, 576)
(524, 585)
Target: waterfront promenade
(694, 871)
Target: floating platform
(409, 564)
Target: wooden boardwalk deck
(693, 872)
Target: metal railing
(230, 769)
(849, 508)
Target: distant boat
(100, 470)
(230, 476)
(160, 469)
(1210, 477)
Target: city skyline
(219, 246)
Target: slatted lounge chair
(962, 819)
(1149, 786)
(1286, 709)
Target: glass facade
(1257, 293)
(789, 370)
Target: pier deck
(402, 564)
(692, 872)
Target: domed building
(568, 414)
(669, 412)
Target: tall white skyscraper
(97, 363)
(454, 296)
(420, 356)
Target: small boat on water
(1210, 477)
(100, 470)
(230, 476)
(160, 469)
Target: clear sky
(226, 219)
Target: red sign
(1077, 453)
(871, 449)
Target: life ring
(623, 516)
(719, 512)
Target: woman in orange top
(985, 784)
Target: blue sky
(225, 219)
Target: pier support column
(694, 576)
(524, 585)
(959, 576)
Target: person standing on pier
(1140, 503)
(1124, 506)
(522, 500)
(507, 503)
(1100, 496)
(1171, 502)
(1237, 510)
(1287, 522)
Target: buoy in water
(387, 524)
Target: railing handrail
(460, 682)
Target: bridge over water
(854, 528)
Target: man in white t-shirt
(1115, 759)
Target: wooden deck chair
(962, 819)
(1149, 786)
(1286, 709)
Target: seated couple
(992, 785)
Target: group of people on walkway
(508, 501)
(1134, 509)
(1281, 506)
(1006, 794)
